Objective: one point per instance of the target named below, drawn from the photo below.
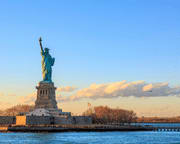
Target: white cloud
(66, 89)
(124, 89)
(113, 90)
(30, 99)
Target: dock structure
(166, 129)
(171, 127)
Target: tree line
(107, 115)
(16, 110)
(99, 114)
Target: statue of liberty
(47, 63)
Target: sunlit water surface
(91, 138)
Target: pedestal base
(45, 104)
(46, 98)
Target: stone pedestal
(46, 97)
(45, 104)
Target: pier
(175, 129)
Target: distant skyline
(97, 46)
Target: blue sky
(93, 42)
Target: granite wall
(7, 120)
(39, 120)
(62, 120)
(76, 120)
(48, 120)
(81, 120)
(34, 120)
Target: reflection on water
(91, 138)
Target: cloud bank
(30, 99)
(66, 89)
(124, 89)
(112, 90)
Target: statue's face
(46, 50)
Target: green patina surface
(47, 63)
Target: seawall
(73, 128)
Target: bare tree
(106, 115)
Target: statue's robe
(47, 63)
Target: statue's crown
(46, 49)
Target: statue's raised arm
(47, 63)
(40, 40)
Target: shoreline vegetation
(101, 115)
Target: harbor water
(148, 137)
